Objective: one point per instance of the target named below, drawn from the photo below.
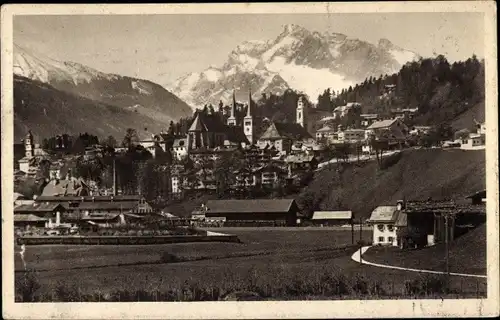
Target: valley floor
(281, 264)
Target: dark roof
(270, 167)
(480, 194)
(38, 207)
(235, 134)
(249, 206)
(100, 217)
(446, 206)
(89, 198)
(207, 122)
(124, 205)
(279, 130)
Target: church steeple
(248, 120)
(231, 121)
(249, 112)
(301, 112)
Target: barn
(331, 218)
(255, 212)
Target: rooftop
(332, 215)
(382, 124)
(279, 130)
(132, 197)
(21, 217)
(384, 214)
(38, 207)
(249, 206)
(445, 206)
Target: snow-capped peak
(44, 69)
(297, 58)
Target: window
(381, 239)
(248, 123)
(390, 239)
(390, 227)
(380, 227)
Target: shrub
(169, 258)
(427, 285)
(389, 161)
(27, 286)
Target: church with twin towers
(240, 127)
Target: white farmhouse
(385, 224)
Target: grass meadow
(289, 263)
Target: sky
(165, 47)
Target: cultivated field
(289, 263)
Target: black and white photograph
(238, 153)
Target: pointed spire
(249, 112)
(233, 107)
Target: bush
(389, 161)
(428, 285)
(169, 258)
(27, 287)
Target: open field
(272, 260)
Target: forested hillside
(416, 175)
(441, 91)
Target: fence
(125, 240)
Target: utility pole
(446, 240)
(360, 240)
(352, 230)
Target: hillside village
(229, 153)
(317, 161)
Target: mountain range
(121, 101)
(300, 59)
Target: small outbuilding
(329, 218)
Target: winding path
(358, 257)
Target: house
(25, 221)
(310, 146)
(269, 175)
(112, 204)
(393, 131)
(474, 141)
(351, 135)
(342, 111)
(326, 133)
(301, 162)
(36, 214)
(155, 144)
(478, 197)
(180, 148)
(404, 113)
(420, 130)
(383, 219)
(368, 118)
(241, 212)
(67, 186)
(328, 218)
(281, 136)
(20, 199)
